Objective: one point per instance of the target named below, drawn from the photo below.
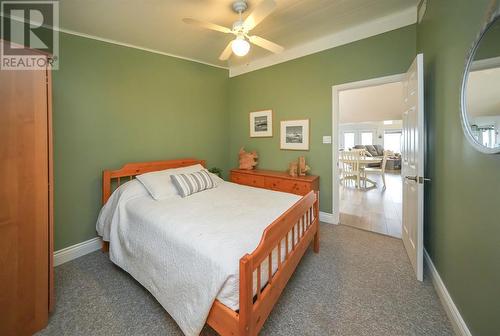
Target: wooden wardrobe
(26, 248)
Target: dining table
(363, 162)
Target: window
(348, 140)
(392, 141)
(488, 136)
(367, 138)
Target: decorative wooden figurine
(303, 168)
(293, 168)
(248, 160)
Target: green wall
(462, 225)
(114, 105)
(302, 88)
(490, 43)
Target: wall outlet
(327, 139)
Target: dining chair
(345, 168)
(379, 171)
(351, 166)
(340, 167)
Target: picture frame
(261, 124)
(294, 134)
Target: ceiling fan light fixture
(240, 46)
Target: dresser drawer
(275, 180)
(247, 179)
(273, 183)
(289, 186)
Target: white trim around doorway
(335, 129)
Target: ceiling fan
(241, 29)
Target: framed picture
(261, 124)
(294, 134)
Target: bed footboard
(286, 240)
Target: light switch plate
(327, 139)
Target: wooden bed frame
(300, 222)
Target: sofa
(373, 151)
(393, 163)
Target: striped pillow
(188, 184)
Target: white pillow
(159, 184)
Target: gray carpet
(361, 283)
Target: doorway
(369, 132)
(412, 155)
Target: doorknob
(419, 179)
(422, 179)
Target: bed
(222, 256)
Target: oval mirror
(481, 88)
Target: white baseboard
(72, 252)
(75, 251)
(456, 319)
(326, 217)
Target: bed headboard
(128, 171)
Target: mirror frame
(492, 15)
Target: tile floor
(375, 209)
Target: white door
(413, 165)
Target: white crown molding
(422, 7)
(359, 32)
(111, 41)
(123, 44)
(362, 31)
(75, 251)
(451, 309)
(326, 217)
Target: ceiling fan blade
(227, 52)
(259, 13)
(207, 25)
(266, 44)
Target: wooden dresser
(276, 180)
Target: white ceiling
(371, 104)
(482, 93)
(157, 24)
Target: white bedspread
(186, 251)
